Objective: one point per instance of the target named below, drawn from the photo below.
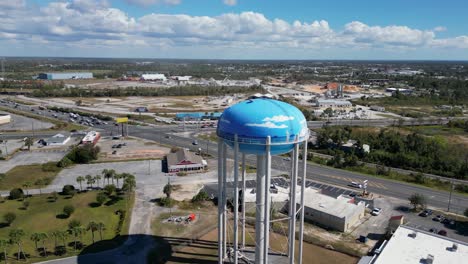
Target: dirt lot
(133, 149)
(204, 250)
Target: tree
(16, 194)
(129, 183)
(93, 227)
(26, 186)
(43, 237)
(168, 190)
(417, 200)
(28, 142)
(3, 245)
(117, 177)
(76, 231)
(16, 237)
(89, 180)
(98, 178)
(9, 217)
(68, 190)
(108, 174)
(80, 180)
(35, 237)
(109, 189)
(101, 198)
(100, 227)
(68, 210)
(56, 236)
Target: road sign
(121, 119)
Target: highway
(164, 135)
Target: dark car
(438, 218)
(426, 213)
(442, 233)
(433, 230)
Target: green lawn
(19, 175)
(43, 215)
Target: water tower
(259, 127)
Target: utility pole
(450, 196)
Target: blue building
(195, 116)
(65, 75)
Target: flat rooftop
(339, 206)
(405, 248)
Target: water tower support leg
(236, 199)
(267, 201)
(260, 210)
(243, 201)
(303, 187)
(220, 204)
(292, 211)
(224, 201)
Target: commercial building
(195, 116)
(91, 138)
(340, 213)
(65, 75)
(153, 77)
(184, 160)
(333, 104)
(409, 245)
(57, 140)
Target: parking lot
(22, 123)
(130, 148)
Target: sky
(236, 29)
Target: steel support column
(303, 187)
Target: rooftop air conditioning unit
(454, 247)
(429, 259)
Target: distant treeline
(145, 91)
(390, 148)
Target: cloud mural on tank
(254, 120)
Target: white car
(376, 211)
(355, 185)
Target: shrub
(466, 212)
(16, 193)
(101, 198)
(109, 189)
(181, 173)
(74, 223)
(68, 210)
(83, 154)
(64, 162)
(50, 166)
(68, 190)
(167, 202)
(200, 197)
(9, 217)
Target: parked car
(426, 213)
(438, 218)
(433, 230)
(195, 142)
(114, 152)
(376, 211)
(442, 233)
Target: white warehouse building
(153, 77)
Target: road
(165, 135)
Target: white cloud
(145, 3)
(278, 118)
(230, 2)
(97, 25)
(440, 29)
(267, 125)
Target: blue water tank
(254, 120)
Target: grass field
(43, 215)
(19, 175)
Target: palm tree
(117, 178)
(108, 174)
(80, 180)
(88, 179)
(93, 227)
(98, 179)
(43, 237)
(56, 236)
(100, 227)
(26, 186)
(36, 237)
(28, 142)
(16, 236)
(4, 244)
(76, 231)
(105, 174)
(63, 236)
